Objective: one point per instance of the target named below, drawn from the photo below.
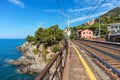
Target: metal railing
(54, 70)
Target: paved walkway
(82, 68)
(74, 69)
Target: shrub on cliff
(55, 49)
(36, 51)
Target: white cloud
(76, 19)
(82, 9)
(97, 14)
(109, 4)
(83, 2)
(18, 3)
(82, 18)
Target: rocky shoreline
(32, 62)
(34, 58)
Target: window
(89, 32)
(83, 32)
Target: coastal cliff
(38, 50)
(30, 61)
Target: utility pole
(99, 29)
(68, 32)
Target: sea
(8, 51)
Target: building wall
(114, 28)
(87, 34)
(90, 23)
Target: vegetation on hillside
(36, 51)
(48, 36)
(113, 16)
(55, 49)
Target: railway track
(109, 56)
(106, 48)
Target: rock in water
(14, 62)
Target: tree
(29, 38)
(48, 36)
(39, 34)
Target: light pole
(68, 32)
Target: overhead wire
(60, 11)
(88, 13)
(84, 18)
(94, 10)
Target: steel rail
(102, 61)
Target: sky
(19, 18)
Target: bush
(55, 49)
(34, 43)
(103, 36)
(49, 60)
(36, 51)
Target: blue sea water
(9, 51)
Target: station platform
(77, 67)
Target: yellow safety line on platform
(88, 70)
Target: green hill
(112, 16)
